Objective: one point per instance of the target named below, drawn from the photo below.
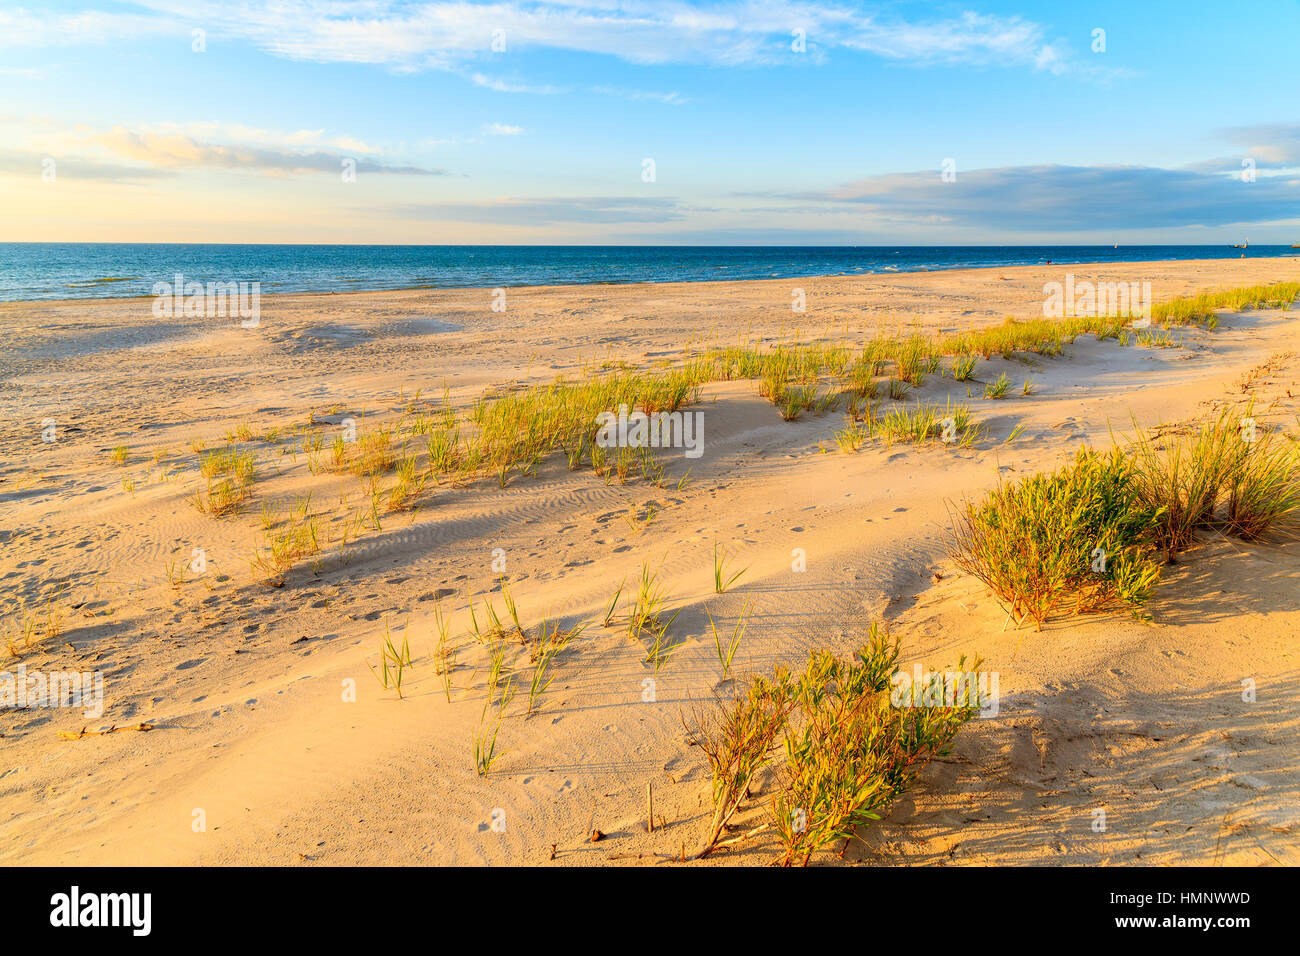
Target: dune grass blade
(727, 647)
(720, 580)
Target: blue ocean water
(107, 270)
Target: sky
(659, 122)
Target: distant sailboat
(1241, 245)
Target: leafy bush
(1073, 540)
(848, 750)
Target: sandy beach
(270, 740)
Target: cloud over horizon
(1052, 197)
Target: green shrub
(1069, 541)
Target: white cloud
(212, 144)
(1272, 142)
(27, 28)
(501, 129)
(506, 86)
(179, 150)
(448, 35)
(672, 98)
(238, 133)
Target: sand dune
(244, 684)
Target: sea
(70, 270)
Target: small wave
(74, 285)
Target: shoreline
(695, 283)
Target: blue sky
(533, 122)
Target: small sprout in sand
(485, 739)
(612, 608)
(513, 610)
(374, 453)
(542, 675)
(794, 401)
(30, 630)
(408, 486)
(827, 403)
(230, 475)
(648, 610)
(1028, 387)
(393, 662)
(494, 629)
(998, 387)
(496, 666)
(473, 623)
(375, 494)
(851, 437)
(280, 551)
(637, 522)
(727, 647)
(176, 572)
(445, 652)
(661, 649)
(963, 368)
(301, 507)
(720, 580)
(119, 455)
(339, 449)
